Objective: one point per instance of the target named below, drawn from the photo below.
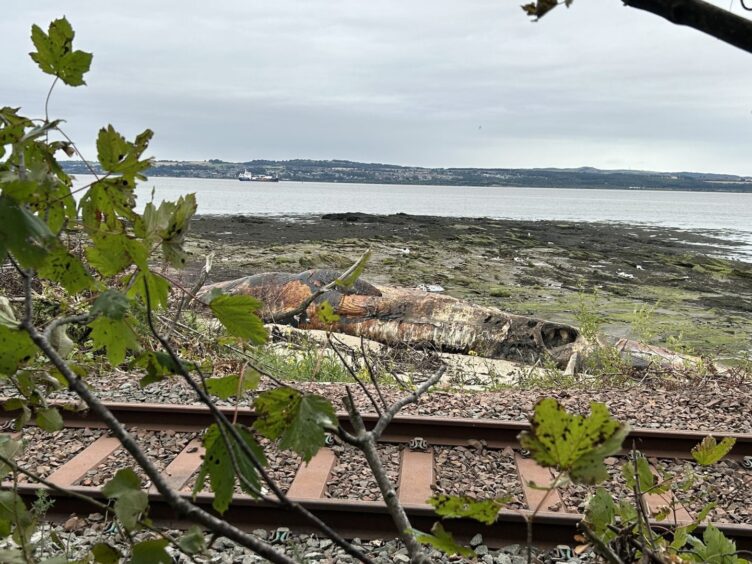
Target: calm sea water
(726, 214)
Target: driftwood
(400, 316)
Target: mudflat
(661, 285)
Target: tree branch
(182, 506)
(702, 16)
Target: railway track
(417, 436)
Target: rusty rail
(437, 431)
(554, 525)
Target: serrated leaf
(462, 506)
(708, 451)
(351, 275)
(238, 315)
(217, 466)
(643, 476)
(173, 235)
(151, 552)
(113, 335)
(573, 443)
(116, 155)
(714, 547)
(130, 501)
(297, 421)
(681, 536)
(62, 267)
(111, 253)
(103, 553)
(159, 289)
(193, 541)
(157, 364)
(111, 303)
(442, 540)
(600, 513)
(55, 55)
(9, 448)
(24, 234)
(229, 386)
(325, 313)
(49, 419)
(16, 349)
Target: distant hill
(304, 170)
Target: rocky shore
(662, 285)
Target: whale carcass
(408, 317)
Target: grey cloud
(427, 82)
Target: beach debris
(627, 275)
(435, 288)
(409, 317)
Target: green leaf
(714, 547)
(157, 364)
(644, 475)
(325, 312)
(573, 443)
(298, 421)
(193, 541)
(13, 509)
(159, 289)
(24, 234)
(709, 451)
(55, 55)
(18, 404)
(103, 553)
(173, 235)
(112, 304)
(228, 386)
(113, 335)
(442, 540)
(130, 501)
(61, 266)
(681, 536)
(111, 253)
(49, 419)
(16, 349)
(9, 448)
(600, 513)
(217, 466)
(151, 552)
(238, 315)
(459, 506)
(351, 275)
(116, 155)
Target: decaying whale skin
(410, 317)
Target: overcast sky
(414, 82)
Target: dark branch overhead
(703, 16)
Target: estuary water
(728, 215)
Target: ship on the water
(246, 176)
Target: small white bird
(405, 251)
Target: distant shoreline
(345, 172)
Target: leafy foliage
(55, 55)
(151, 552)
(228, 386)
(459, 506)
(130, 501)
(573, 444)
(709, 451)
(218, 465)
(298, 421)
(238, 315)
(113, 335)
(443, 541)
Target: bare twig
(184, 300)
(353, 374)
(395, 408)
(371, 373)
(367, 444)
(602, 548)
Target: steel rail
(436, 431)
(361, 519)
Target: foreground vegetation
(91, 285)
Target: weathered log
(401, 316)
